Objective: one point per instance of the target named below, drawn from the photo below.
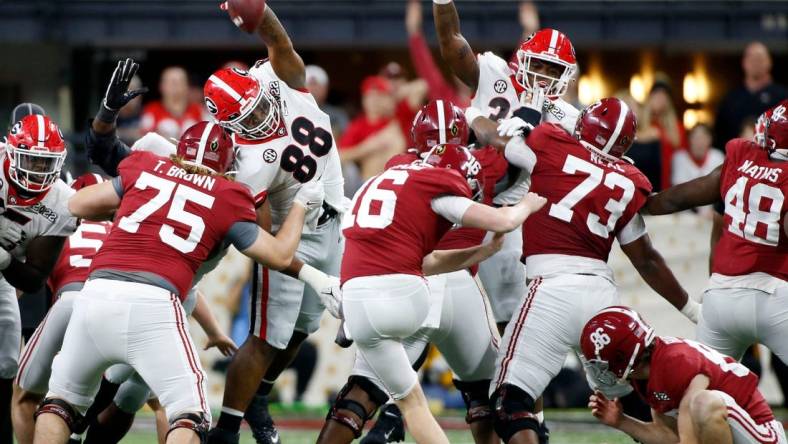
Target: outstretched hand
(118, 94)
(608, 412)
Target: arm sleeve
(451, 207)
(519, 154)
(632, 231)
(106, 150)
(242, 234)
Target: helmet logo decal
(241, 72)
(779, 113)
(270, 155)
(16, 128)
(600, 339)
(500, 86)
(440, 150)
(454, 130)
(214, 146)
(212, 108)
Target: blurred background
(697, 72)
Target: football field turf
(455, 437)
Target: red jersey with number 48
(755, 234)
(169, 221)
(392, 225)
(74, 262)
(589, 198)
(675, 362)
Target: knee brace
(73, 419)
(337, 414)
(192, 421)
(514, 411)
(477, 401)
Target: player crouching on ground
(696, 394)
(171, 214)
(400, 215)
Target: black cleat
(221, 436)
(260, 421)
(543, 433)
(75, 440)
(388, 428)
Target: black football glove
(118, 94)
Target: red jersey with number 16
(755, 234)
(589, 198)
(169, 221)
(392, 225)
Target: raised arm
(104, 147)
(695, 193)
(285, 60)
(454, 48)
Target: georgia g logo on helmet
(211, 106)
(600, 339)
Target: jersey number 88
(318, 140)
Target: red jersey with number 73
(589, 198)
(392, 225)
(169, 221)
(755, 234)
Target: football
(246, 14)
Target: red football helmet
(87, 180)
(36, 152)
(613, 341)
(607, 127)
(208, 145)
(439, 122)
(460, 159)
(240, 103)
(771, 131)
(546, 47)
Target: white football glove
(310, 195)
(691, 310)
(11, 233)
(513, 126)
(5, 259)
(533, 99)
(326, 287)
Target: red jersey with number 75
(590, 198)
(169, 221)
(755, 234)
(675, 362)
(392, 225)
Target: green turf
(455, 437)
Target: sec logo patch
(269, 155)
(500, 86)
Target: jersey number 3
(177, 212)
(596, 176)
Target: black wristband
(106, 115)
(529, 115)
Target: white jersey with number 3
(497, 97)
(302, 150)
